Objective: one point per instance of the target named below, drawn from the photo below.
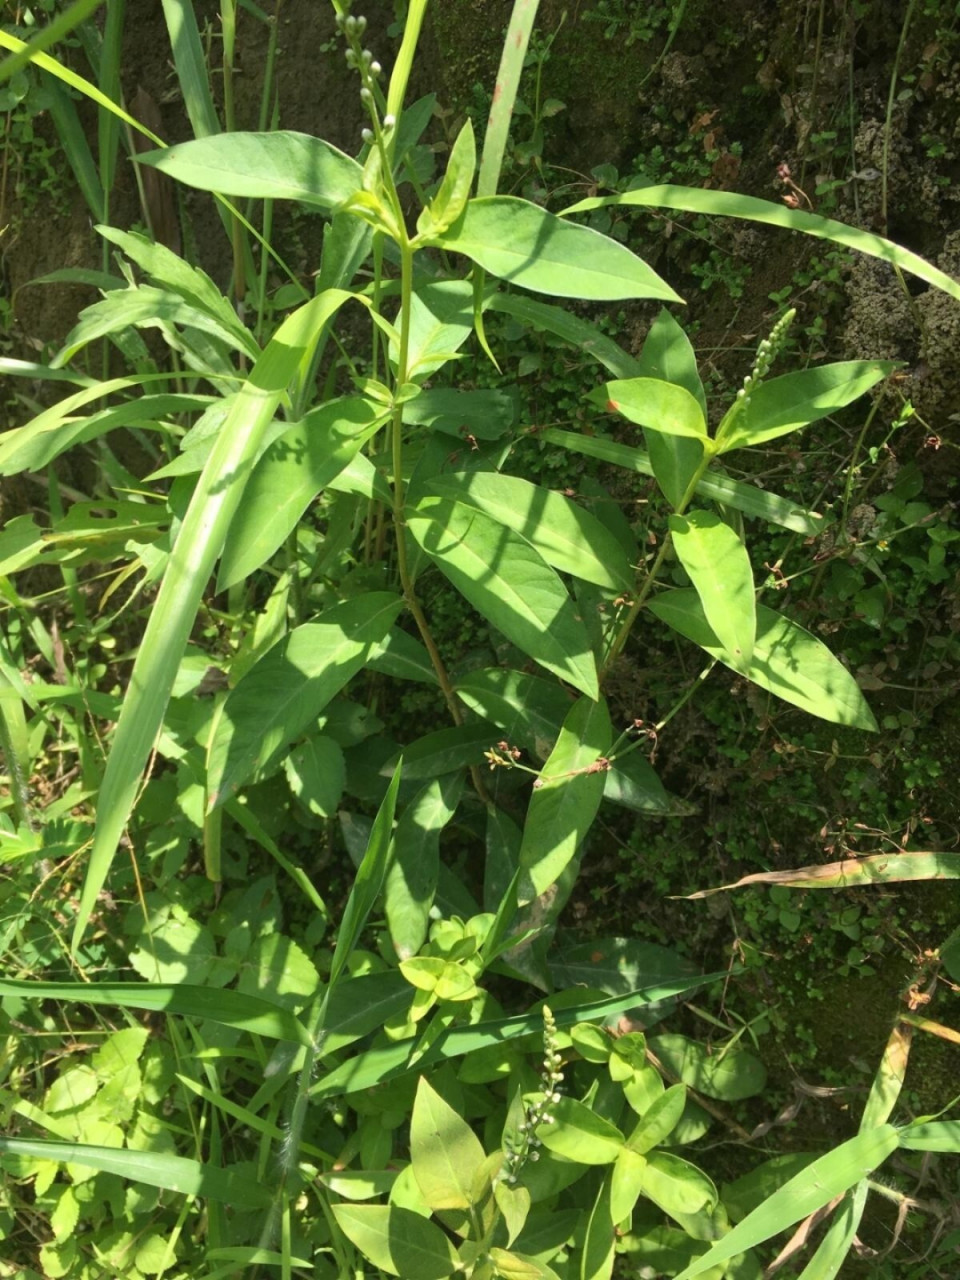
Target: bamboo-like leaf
(567, 798)
(191, 66)
(787, 660)
(520, 242)
(650, 402)
(782, 405)
(835, 1245)
(730, 204)
(73, 140)
(720, 570)
(270, 166)
(888, 1081)
(668, 355)
(522, 18)
(598, 1245)
(569, 537)
(286, 689)
(451, 199)
(152, 1168)
(716, 486)
(198, 544)
(579, 333)
(229, 1008)
(61, 26)
(874, 868)
(935, 1135)
(812, 1188)
(380, 1064)
(509, 584)
(443, 752)
(289, 475)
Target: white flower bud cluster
(767, 352)
(362, 60)
(539, 1112)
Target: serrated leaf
(563, 806)
(787, 660)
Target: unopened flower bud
(375, 69)
(361, 25)
(389, 121)
(366, 135)
(365, 95)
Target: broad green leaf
(877, 868)
(445, 1152)
(358, 1006)
(520, 242)
(816, 1185)
(787, 660)
(367, 883)
(286, 689)
(359, 1184)
(569, 537)
(650, 402)
(596, 1261)
(668, 354)
(451, 199)
(659, 1121)
(565, 802)
(277, 969)
(281, 165)
(578, 1133)
(514, 1205)
(529, 709)
(720, 570)
(199, 542)
(443, 751)
(154, 1169)
(485, 414)
(785, 404)
(294, 469)
(617, 965)
(716, 486)
(402, 656)
(632, 782)
(676, 1186)
(192, 284)
(316, 774)
(729, 204)
(934, 1135)
(379, 1064)
(441, 320)
(175, 951)
(729, 1075)
(397, 1241)
(579, 333)
(626, 1183)
(509, 584)
(145, 307)
(411, 881)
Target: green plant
(331, 496)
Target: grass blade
(850, 873)
(61, 26)
(505, 94)
(198, 544)
(730, 204)
(191, 66)
(152, 1168)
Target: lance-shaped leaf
(875, 868)
(835, 1245)
(191, 562)
(785, 404)
(568, 536)
(271, 166)
(714, 485)
(567, 798)
(579, 333)
(289, 475)
(520, 242)
(486, 413)
(229, 1008)
(818, 1184)
(932, 1135)
(414, 870)
(787, 660)
(152, 1168)
(398, 1241)
(668, 355)
(730, 204)
(651, 402)
(451, 199)
(676, 1186)
(445, 1152)
(598, 1246)
(286, 689)
(508, 582)
(730, 1076)
(578, 1133)
(720, 570)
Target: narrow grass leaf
(73, 140)
(191, 66)
(888, 1081)
(835, 1245)
(286, 689)
(152, 1168)
(269, 166)
(566, 799)
(579, 333)
(874, 868)
(569, 537)
(49, 35)
(716, 486)
(787, 660)
(509, 583)
(522, 18)
(730, 204)
(228, 1008)
(936, 1135)
(198, 544)
(816, 1185)
(524, 244)
(720, 570)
